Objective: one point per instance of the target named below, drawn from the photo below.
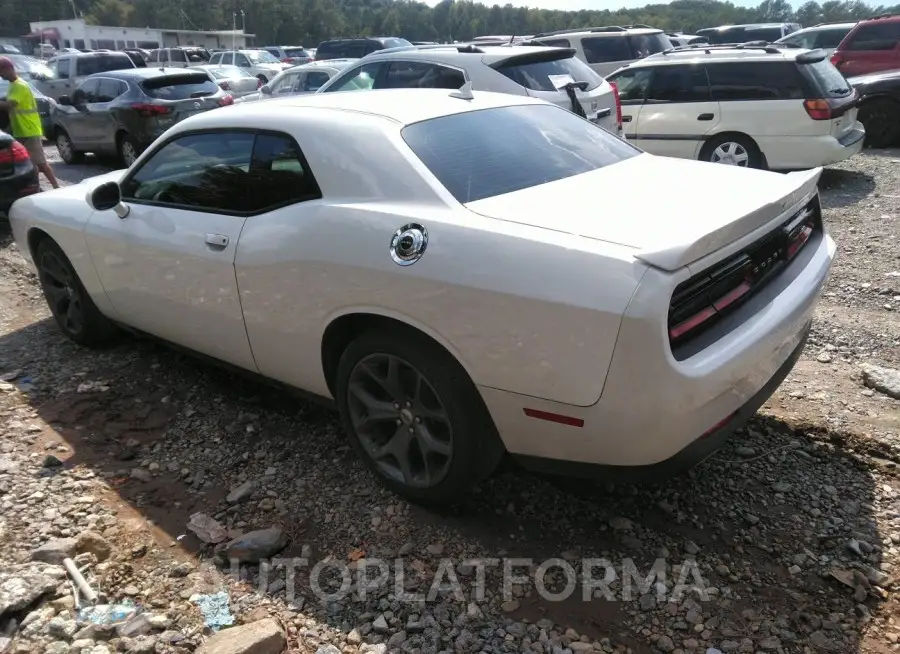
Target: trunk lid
(691, 208)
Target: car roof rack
(639, 26)
(462, 48)
(573, 30)
(765, 46)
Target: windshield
(482, 154)
(395, 43)
(549, 74)
(296, 52)
(261, 57)
(829, 79)
(645, 45)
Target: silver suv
(552, 74)
(606, 49)
(67, 71)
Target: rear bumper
(790, 153)
(18, 186)
(654, 406)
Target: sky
(575, 5)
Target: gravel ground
(785, 541)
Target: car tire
(881, 118)
(732, 149)
(129, 150)
(433, 415)
(71, 305)
(67, 151)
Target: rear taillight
(224, 86)
(286, 60)
(615, 88)
(818, 109)
(151, 110)
(838, 60)
(14, 155)
(226, 100)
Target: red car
(870, 47)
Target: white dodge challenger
(466, 275)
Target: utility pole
(233, 28)
(244, 27)
(74, 11)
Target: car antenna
(511, 39)
(464, 92)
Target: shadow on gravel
(74, 173)
(765, 519)
(844, 188)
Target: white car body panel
(544, 307)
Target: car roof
(141, 73)
(461, 54)
(706, 52)
(400, 106)
(825, 26)
(325, 63)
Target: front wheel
(66, 149)
(415, 417)
(128, 150)
(72, 308)
(732, 150)
(881, 118)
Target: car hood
(671, 211)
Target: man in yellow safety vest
(24, 119)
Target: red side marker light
(554, 417)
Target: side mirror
(64, 100)
(266, 89)
(108, 196)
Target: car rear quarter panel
(523, 309)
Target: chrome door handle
(217, 240)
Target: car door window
(215, 58)
(420, 75)
(599, 50)
(86, 93)
(279, 175)
(633, 84)
(228, 58)
(63, 68)
(202, 172)
(356, 50)
(830, 38)
(178, 55)
(876, 36)
(359, 79)
(679, 84)
(556, 43)
(242, 61)
(285, 84)
(755, 81)
(313, 81)
(109, 90)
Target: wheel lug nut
(399, 422)
(418, 419)
(411, 430)
(396, 405)
(408, 404)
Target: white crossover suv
(751, 105)
(466, 275)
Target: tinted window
(470, 153)
(177, 55)
(395, 43)
(556, 43)
(154, 56)
(360, 49)
(331, 51)
(86, 92)
(768, 34)
(633, 84)
(314, 80)
(598, 49)
(279, 174)
(228, 58)
(63, 66)
(103, 64)
(679, 84)
(644, 45)
(295, 52)
(876, 36)
(419, 75)
(272, 51)
(359, 79)
(110, 89)
(216, 58)
(540, 75)
(755, 81)
(179, 87)
(831, 38)
(828, 80)
(241, 60)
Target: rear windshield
(482, 154)
(103, 63)
(296, 52)
(829, 80)
(548, 74)
(179, 87)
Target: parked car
(606, 49)
(237, 81)
(293, 55)
(354, 48)
(18, 176)
(44, 104)
(870, 47)
(68, 71)
(258, 63)
(35, 69)
(481, 198)
(137, 57)
(750, 106)
(122, 112)
(552, 74)
(180, 57)
(879, 107)
(44, 51)
(678, 39)
(307, 78)
(826, 36)
(731, 34)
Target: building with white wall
(76, 33)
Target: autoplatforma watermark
(553, 579)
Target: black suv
(355, 48)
